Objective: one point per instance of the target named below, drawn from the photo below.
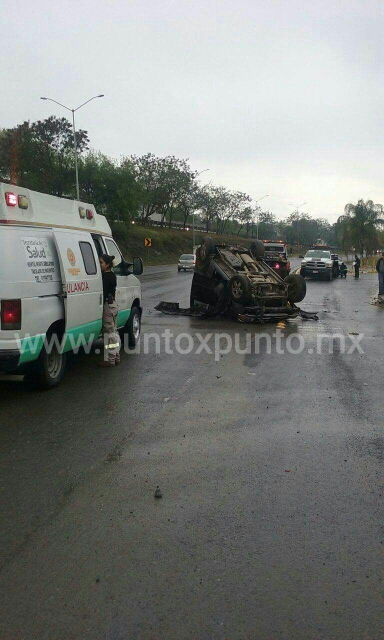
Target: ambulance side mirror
(137, 266)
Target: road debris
(174, 309)
(158, 493)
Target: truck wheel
(257, 249)
(297, 287)
(204, 253)
(240, 289)
(302, 273)
(329, 277)
(48, 370)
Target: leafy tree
(233, 203)
(112, 187)
(360, 225)
(56, 156)
(188, 202)
(18, 151)
(163, 182)
(40, 156)
(212, 202)
(267, 226)
(246, 218)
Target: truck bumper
(316, 273)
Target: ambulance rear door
(82, 287)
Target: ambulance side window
(113, 250)
(88, 258)
(98, 244)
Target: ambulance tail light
(11, 199)
(89, 214)
(10, 315)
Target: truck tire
(48, 370)
(302, 273)
(204, 253)
(257, 249)
(329, 276)
(297, 287)
(240, 289)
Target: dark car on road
(234, 278)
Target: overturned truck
(237, 280)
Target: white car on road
(187, 262)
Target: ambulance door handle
(101, 298)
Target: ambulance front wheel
(132, 327)
(48, 370)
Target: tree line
(39, 156)
(360, 228)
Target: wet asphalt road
(271, 469)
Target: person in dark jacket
(356, 264)
(343, 270)
(110, 309)
(336, 267)
(380, 271)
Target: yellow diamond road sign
(148, 242)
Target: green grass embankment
(167, 244)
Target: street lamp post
(257, 211)
(193, 214)
(74, 133)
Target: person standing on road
(356, 264)
(380, 271)
(336, 268)
(109, 328)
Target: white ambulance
(51, 292)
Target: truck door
(82, 287)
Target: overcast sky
(278, 97)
